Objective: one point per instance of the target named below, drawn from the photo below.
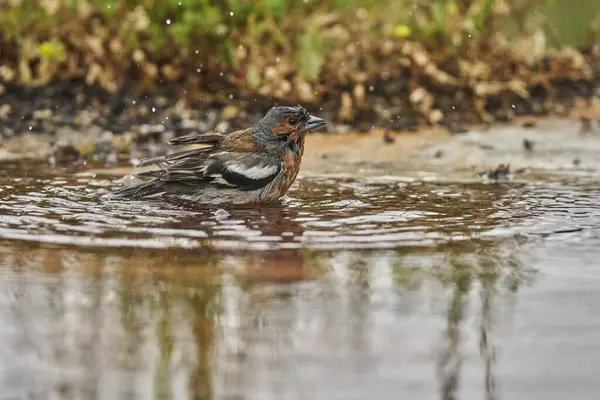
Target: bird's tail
(169, 158)
(195, 138)
(142, 190)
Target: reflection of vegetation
(284, 48)
(492, 271)
(184, 315)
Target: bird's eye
(292, 121)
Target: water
(353, 289)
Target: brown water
(354, 289)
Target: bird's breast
(291, 165)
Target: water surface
(352, 289)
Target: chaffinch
(254, 165)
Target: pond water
(353, 289)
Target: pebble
(529, 124)
(586, 125)
(388, 138)
(64, 153)
(501, 173)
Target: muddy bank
(564, 149)
(69, 123)
(391, 104)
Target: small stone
(501, 173)
(64, 153)
(8, 132)
(388, 138)
(111, 159)
(528, 145)
(5, 110)
(103, 146)
(529, 124)
(586, 125)
(458, 127)
(346, 110)
(222, 126)
(161, 101)
(42, 114)
(435, 116)
(151, 129)
(190, 124)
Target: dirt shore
(109, 128)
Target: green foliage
(311, 36)
(311, 54)
(455, 24)
(52, 50)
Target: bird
(253, 165)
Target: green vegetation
(292, 49)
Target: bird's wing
(196, 138)
(209, 139)
(245, 171)
(237, 141)
(229, 161)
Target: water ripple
(323, 213)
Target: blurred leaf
(227, 52)
(181, 33)
(310, 54)
(157, 36)
(275, 8)
(402, 31)
(53, 50)
(253, 77)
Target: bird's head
(288, 121)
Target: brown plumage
(253, 165)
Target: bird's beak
(314, 123)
